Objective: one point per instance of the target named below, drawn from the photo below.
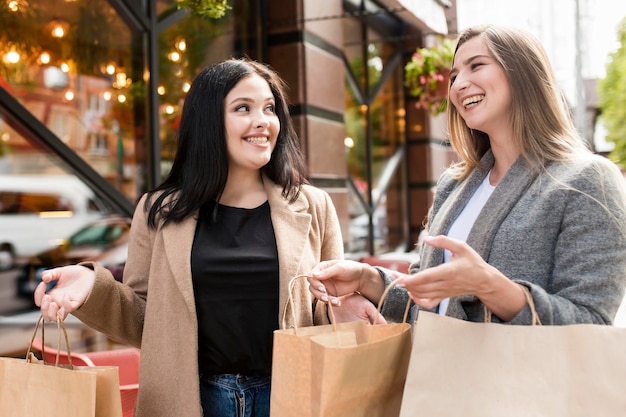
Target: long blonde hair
(542, 126)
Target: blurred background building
(93, 89)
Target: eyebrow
(469, 60)
(249, 100)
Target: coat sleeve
(589, 272)
(117, 309)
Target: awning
(428, 15)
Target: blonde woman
(528, 207)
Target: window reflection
(69, 63)
(374, 138)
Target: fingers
(49, 309)
(320, 270)
(445, 242)
(379, 319)
(40, 291)
(316, 287)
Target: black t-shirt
(234, 265)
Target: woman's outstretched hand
(330, 280)
(73, 285)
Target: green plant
(612, 92)
(426, 75)
(206, 8)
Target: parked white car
(39, 211)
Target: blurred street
(9, 303)
(19, 316)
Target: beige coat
(155, 309)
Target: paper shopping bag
(347, 369)
(493, 370)
(354, 369)
(29, 387)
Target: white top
(463, 224)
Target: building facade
(93, 89)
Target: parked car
(38, 211)
(104, 241)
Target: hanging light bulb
(44, 58)
(58, 28)
(11, 57)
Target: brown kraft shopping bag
(347, 369)
(29, 387)
(494, 370)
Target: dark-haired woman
(211, 254)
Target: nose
(460, 83)
(261, 121)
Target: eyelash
(270, 108)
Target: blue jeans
(235, 395)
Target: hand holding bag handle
(354, 368)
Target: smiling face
(251, 124)
(480, 90)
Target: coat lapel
(178, 240)
(291, 222)
(450, 209)
(505, 196)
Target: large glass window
(70, 64)
(374, 120)
(85, 102)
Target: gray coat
(561, 233)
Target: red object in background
(126, 359)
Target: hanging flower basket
(213, 9)
(427, 74)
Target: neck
(244, 190)
(505, 155)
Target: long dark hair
(200, 167)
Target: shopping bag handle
(384, 295)
(331, 313)
(60, 329)
(536, 321)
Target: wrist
(372, 283)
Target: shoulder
(310, 198)
(589, 171)
(313, 194)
